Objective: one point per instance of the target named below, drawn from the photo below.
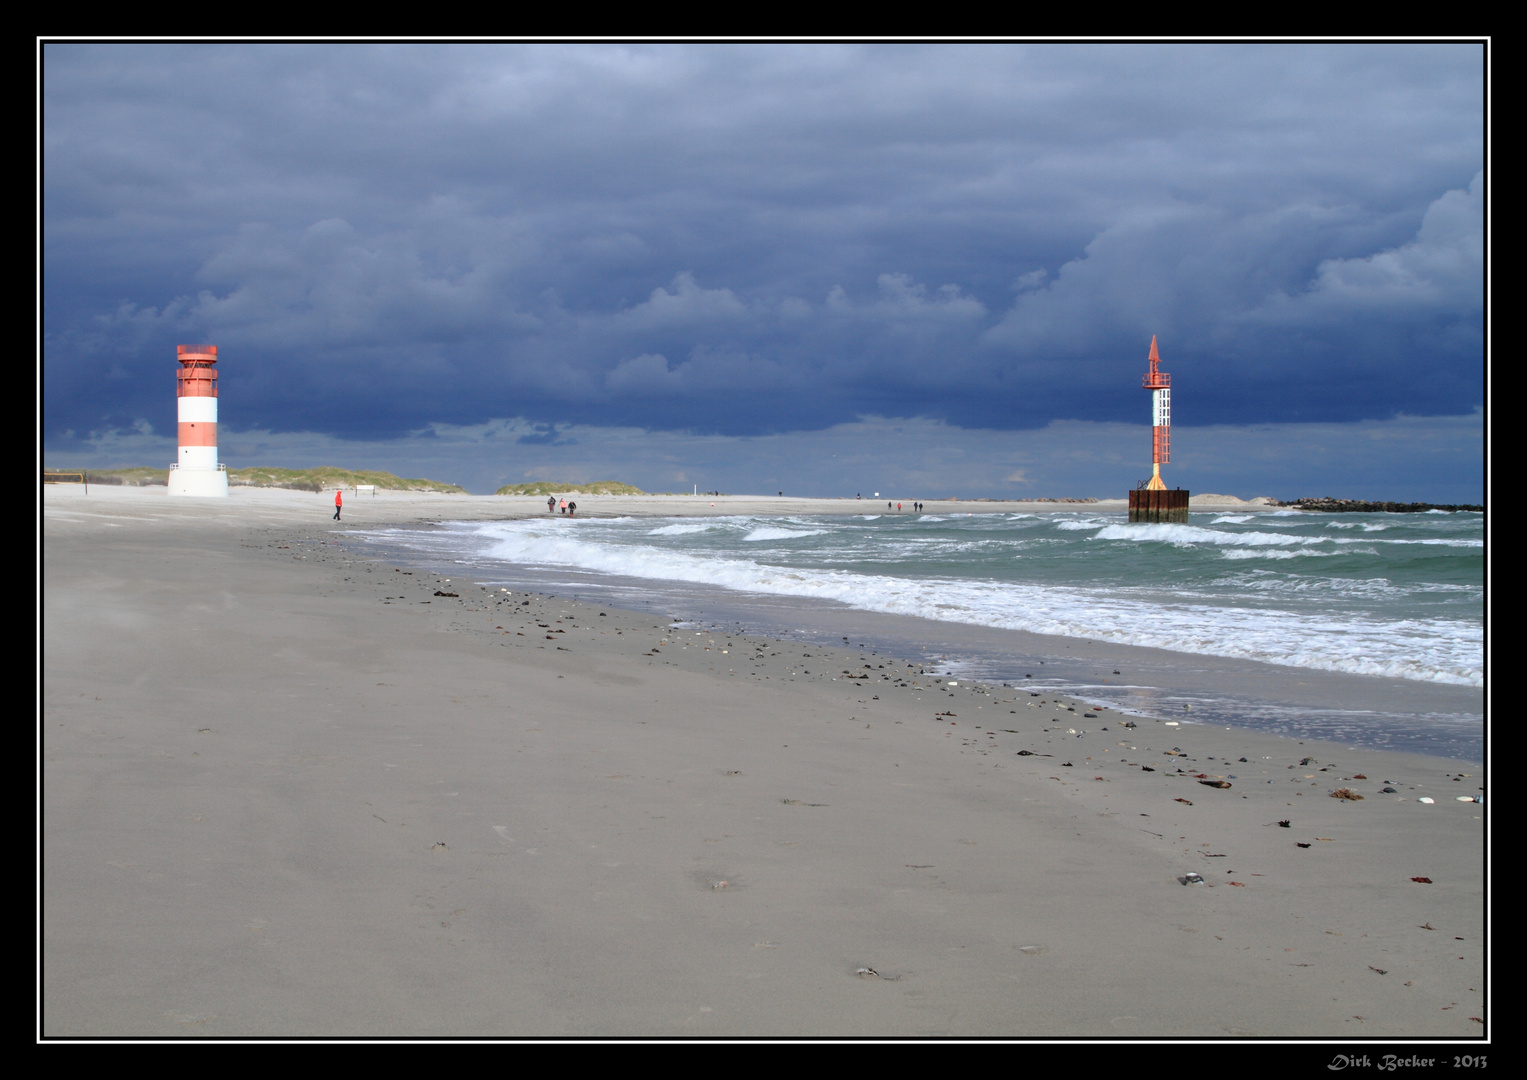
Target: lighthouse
(1152, 501)
(196, 470)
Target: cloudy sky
(818, 268)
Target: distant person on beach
(564, 506)
(338, 502)
(572, 509)
(551, 504)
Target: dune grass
(570, 487)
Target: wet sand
(291, 791)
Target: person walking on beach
(564, 506)
(551, 504)
(572, 509)
(338, 502)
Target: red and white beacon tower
(196, 470)
(1159, 383)
(1152, 501)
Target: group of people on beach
(568, 508)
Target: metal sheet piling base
(1146, 505)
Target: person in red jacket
(338, 502)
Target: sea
(1362, 629)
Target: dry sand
(287, 791)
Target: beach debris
(1461, 798)
(871, 973)
(1284, 824)
(1033, 950)
(1424, 799)
(1301, 844)
(720, 884)
(1237, 884)
(1191, 879)
(1358, 776)
(1188, 801)
(1222, 784)
(1422, 880)
(1387, 790)
(439, 593)
(1381, 971)
(1308, 761)
(1346, 793)
(1426, 926)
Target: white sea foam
(1437, 649)
(1081, 524)
(1439, 541)
(1279, 553)
(766, 532)
(682, 528)
(1165, 532)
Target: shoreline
(417, 506)
(366, 790)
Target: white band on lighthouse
(198, 457)
(1161, 401)
(197, 410)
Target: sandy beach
(288, 790)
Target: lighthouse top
(196, 354)
(1155, 378)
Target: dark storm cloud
(742, 240)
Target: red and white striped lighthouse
(196, 470)
(1159, 383)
